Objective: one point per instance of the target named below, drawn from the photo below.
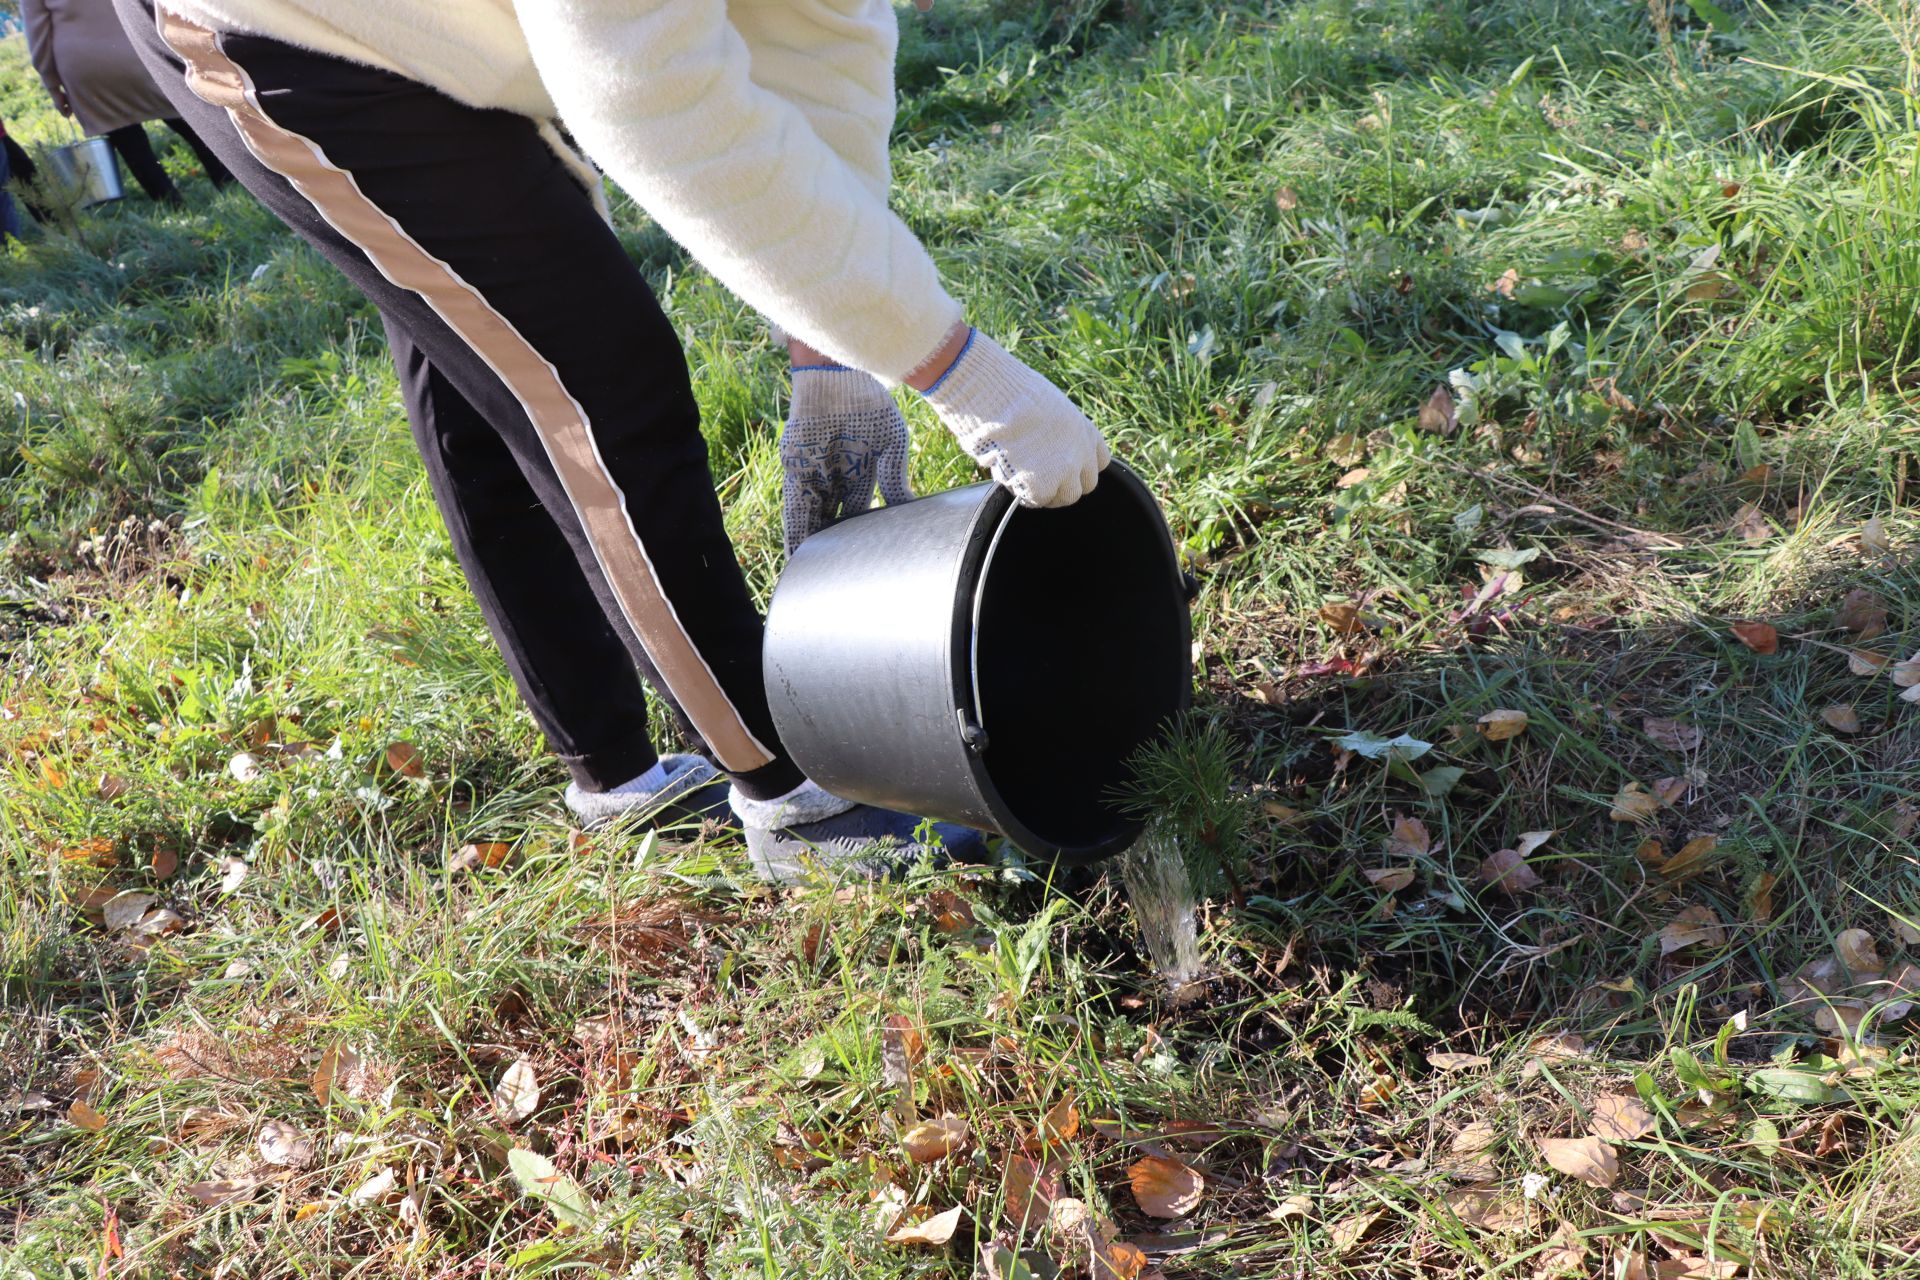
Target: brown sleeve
(39, 24)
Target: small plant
(1183, 783)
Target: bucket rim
(994, 516)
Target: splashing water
(1155, 874)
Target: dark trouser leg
(575, 673)
(26, 179)
(133, 146)
(217, 173)
(479, 247)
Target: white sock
(670, 776)
(807, 802)
(646, 784)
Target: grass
(1662, 261)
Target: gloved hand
(844, 434)
(1018, 425)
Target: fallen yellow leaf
(935, 1139)
(1502, 723)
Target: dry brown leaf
(1165, 1188)
(335, 1065)
(1359, 475)
(1346, 449)
(517, 1094)
(484, 855)
(1751, 524)
(1760, 897)
(1906, 672)
(1061, 1122)
(1388, 879)
(1508, 872)
(1861, 611)
(244, 767)
(1695, 926)
(1621, 1117)
(283, 1143)
(1695, 1268)
(935, 1139)
(934, 1231)
(1509, 281)
(1841, 717)
(1031, 1189)
(223, 1190)
(1634, 803)
(376, 1188)
(1439, 413)
(232, 872)
(1280, 812)
(1757, 636)
(1488, 1210)
(1588, 1159)
(1475, 1138)
(1348, 1232)
(125, 910)
(1409, 839)
(1118, 1260)
(1874, 540)
(82, 1116)
(1502, 723)
(1531, 840)
(951, 912)
(1865, 662)
(1905, 928)
(1294, 1206)
(1286, 199)
(1444, 1061)
(1672, 734)
(1343, 618)
(1670, 791)
(404, 759)
(1565, 1254)
(1857, 951)
(165, 862)
(1691, 857)
(112, 786)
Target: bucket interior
(1080, 657)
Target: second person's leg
(131, 144)
(217, 172)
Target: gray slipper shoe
(812, 831)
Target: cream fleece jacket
(754, 132)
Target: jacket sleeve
(661, 93)
(833, 61)
(39, 27)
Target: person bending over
(415, 144)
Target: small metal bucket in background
(87, 171)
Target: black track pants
(135, 149)
(547, 391)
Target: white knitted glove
(1018, 425)
(844, 434)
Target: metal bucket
(965, 658)
(87, 170)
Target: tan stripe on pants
(558, 420)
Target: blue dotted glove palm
(844, 437)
